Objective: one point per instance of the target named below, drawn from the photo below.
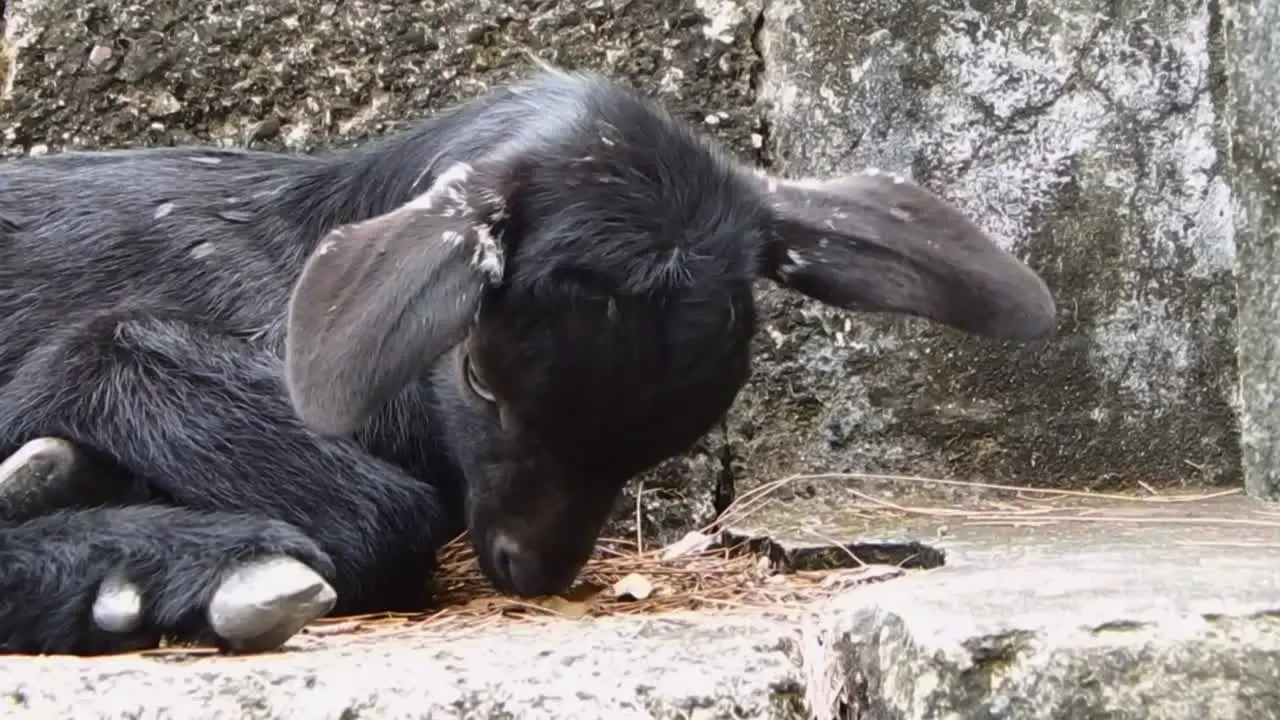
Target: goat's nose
(518, 569)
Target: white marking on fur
(422, 174)
(504, 543)
(447, 197)
(163, 210)
(326, 247)
(447, 186)
(796, 259)
(901, 214)
(810, 183)
(202, 250)
(487, 257)
(204, 160)
(269, 193)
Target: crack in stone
(1022, 121)
(1138, 153)
(726, 491)
(8, 51)
(764, 155)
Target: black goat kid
(243, 389)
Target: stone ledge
(1171, 611)
(671, 667)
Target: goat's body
(84, 234)
(213, 238)
(217, 235)
(143, 296)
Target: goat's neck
(358, 184)
(364, 182)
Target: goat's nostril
(523, 573)
(504, 552)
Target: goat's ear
(379, 301)
(877, 242)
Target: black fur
(168, 310)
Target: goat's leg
(115, 579)
(49, 473)
(207, 421)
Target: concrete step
(1133, 610)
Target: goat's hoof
(36, 477)
(118, 608)
(260, 605)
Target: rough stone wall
(1086, 140)
(1253, 52)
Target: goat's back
(186, 231)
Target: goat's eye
(473, 380)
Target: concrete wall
(1092, 143)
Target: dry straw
(697, 573)
(618, 580)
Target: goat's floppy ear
(380, 300)
(877, 242)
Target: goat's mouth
(521, 569)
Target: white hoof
(262, 604)
(45, 457)
(37, 478)
(118, 608)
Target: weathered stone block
(1065, 622)
(1254, 126)
(1082, 135)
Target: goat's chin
(541, 586)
